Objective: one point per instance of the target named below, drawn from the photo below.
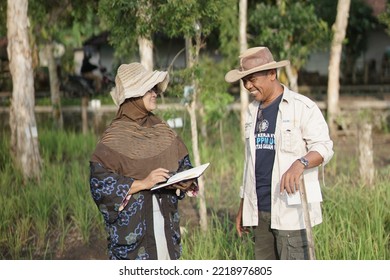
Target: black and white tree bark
(192, 56)
(145, 43)
(339, 31)
(146, 52)
(24, 132)
(243, 8)
(54, 86)
(366, 152)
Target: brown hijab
(137, 142)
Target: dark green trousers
(273, 244)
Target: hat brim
(156, 78)
(235, 75)
(159, 78)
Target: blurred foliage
(68, 23)
(291, 29)
(3, 18)
(153, 19)
(229, 33)
(291, 32)
(125, 23)
(361, 22)
(178, 17)
(214, 90)
(384, 18)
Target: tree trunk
(244, 96)
(84, 114)
(145, 42)
(203, 125)
(291, 72)
(192, 59)
(339, 29)
(146, 52)
(366, 154)
(54, 88)
(24, 132)
(292, 76)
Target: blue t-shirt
(265, 153)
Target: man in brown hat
(286, 137)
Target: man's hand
(290, 179)
(240, 229)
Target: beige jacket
(300, 128)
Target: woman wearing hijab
(137, 151)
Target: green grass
(38, 219)
(356, 222)
(37, 216)
(220, 242)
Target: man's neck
(277, 91)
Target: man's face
(258, 85)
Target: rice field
(40, 220)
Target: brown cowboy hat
(254, 60)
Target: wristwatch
(304, 161)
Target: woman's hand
(182, 185)
(156, 176)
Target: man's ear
(272, 73)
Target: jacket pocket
(291, 139)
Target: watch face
(304, 161)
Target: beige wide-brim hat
(254, 60)
(134, 80)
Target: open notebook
(184, 175)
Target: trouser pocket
(292, 244)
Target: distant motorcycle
(74, 86)
(108, 81)
(77, 86)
